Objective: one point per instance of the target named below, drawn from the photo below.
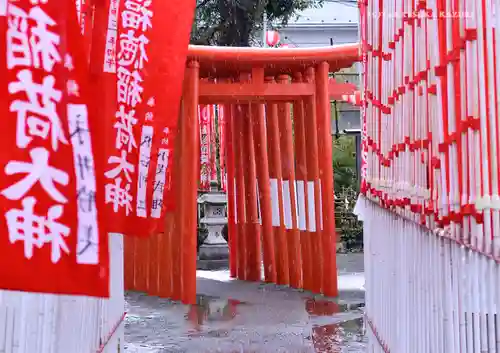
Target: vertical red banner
(205, 117)
(52, 215)
(213, 144)
(86, 20)
(222, 147)
(148, 59)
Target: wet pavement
(235, 316)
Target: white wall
(316, 26)
(320, 36)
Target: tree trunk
(238, 30)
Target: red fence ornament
(363, 30)
(149, 64)
(51, 217)
(354, 99)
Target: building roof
(332, 13)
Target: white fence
(36, 323)
(424, 291)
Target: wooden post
(289, 195)
(189, 179)
(263, 181)
(253, 227)
(154, 254)
(141, 255)
(273, 142)
(166, 257)
(231, 192)
(328, 236)
(240, 191)
(174, 236)
(302, 202)
(129, 261)
(313, 192)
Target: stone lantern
(214, 251)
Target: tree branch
(202, 4)
(210, 33)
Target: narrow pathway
(236, 316)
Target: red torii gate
(280, 173)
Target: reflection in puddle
(321, 307)
(345, 337)
(315, 307)
(341, 337)
(210, 309)
(214, 324)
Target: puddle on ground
(216, 324)
(212, 309)
(345, 337)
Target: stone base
(212, 265)
(214, 252)
(213, 257)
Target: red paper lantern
(272, 38)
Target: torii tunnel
(279, 166)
